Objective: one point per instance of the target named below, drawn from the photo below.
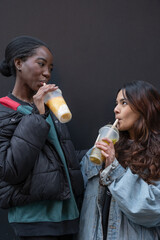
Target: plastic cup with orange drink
(55, 101)
(109, 131)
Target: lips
(119, 122)
(117, 118)
(43, 82)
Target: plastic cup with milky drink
(109, 131)
(55, 101)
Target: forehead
(121, 94)
(43, 52)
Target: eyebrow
(122, 99)
(40, 58)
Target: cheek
(34, 71)
(131, 119)
(127, 122)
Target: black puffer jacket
(30, 168)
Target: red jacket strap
(8, 102)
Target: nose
(116, 109)
(47, 73)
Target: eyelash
(42, 65)
(122, 103)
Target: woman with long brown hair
(143, 155)
(122, 200)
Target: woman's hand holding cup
(107, 150)
(38, 98)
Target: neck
(24, 99)
(22, 92)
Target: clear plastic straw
(113, 126)
(115, 123)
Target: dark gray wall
(98, 45)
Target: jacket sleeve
(20, 145)
(139, 201)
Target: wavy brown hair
(142, 155)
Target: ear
(18, 64)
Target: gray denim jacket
(134, 209)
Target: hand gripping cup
(55, 101)
(109, 131)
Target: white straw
(97, 138)
(115, 123)
(113, 126)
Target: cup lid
(110, 126)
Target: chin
(121, 128)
